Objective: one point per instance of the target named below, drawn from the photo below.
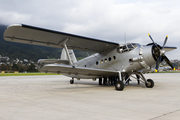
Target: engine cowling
(150, 54)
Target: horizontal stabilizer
(53, 61)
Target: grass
(167, 72)
(26, 74)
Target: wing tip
(12, 25)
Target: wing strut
(65, 47)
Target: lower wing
(53, 61)
(78, 71)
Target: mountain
(30, 52)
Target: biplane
(112, 63)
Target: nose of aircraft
(159, 53)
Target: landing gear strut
(149, 82)
(140, 77)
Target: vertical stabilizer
(71, 54)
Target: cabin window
(97, 63)
(101, 61)
(114, 57)
(105, 60)
(109, 58)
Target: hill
(30, 52)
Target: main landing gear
(119, 82)
(139, 77)
(150, 83)
(119, 85)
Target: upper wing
(77, 71)
(38, 36)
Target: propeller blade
(153, 41)
(162, 54)
(151, 38)
(168, 62)
(158, 62)
(165, 41)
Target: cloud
(103, 19)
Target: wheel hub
(118, 85)
(149, 83)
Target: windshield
(127, 47)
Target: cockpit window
(127, 47)
(130, 46)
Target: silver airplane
(112, 63)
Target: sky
(102, 19)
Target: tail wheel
(150, 83)
(71, 81)
(119, 85)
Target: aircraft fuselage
(126, 59)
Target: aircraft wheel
(119, 85)
(71, 81)
(150, 83)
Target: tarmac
(53, 98)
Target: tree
(14, 67)
(32, 68)
(3, 67)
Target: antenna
(125, 37)
(125, 41)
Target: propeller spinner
(159, 53)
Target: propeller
(160, 53)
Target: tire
(119, 85)
(150, 83)
(71, 81)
